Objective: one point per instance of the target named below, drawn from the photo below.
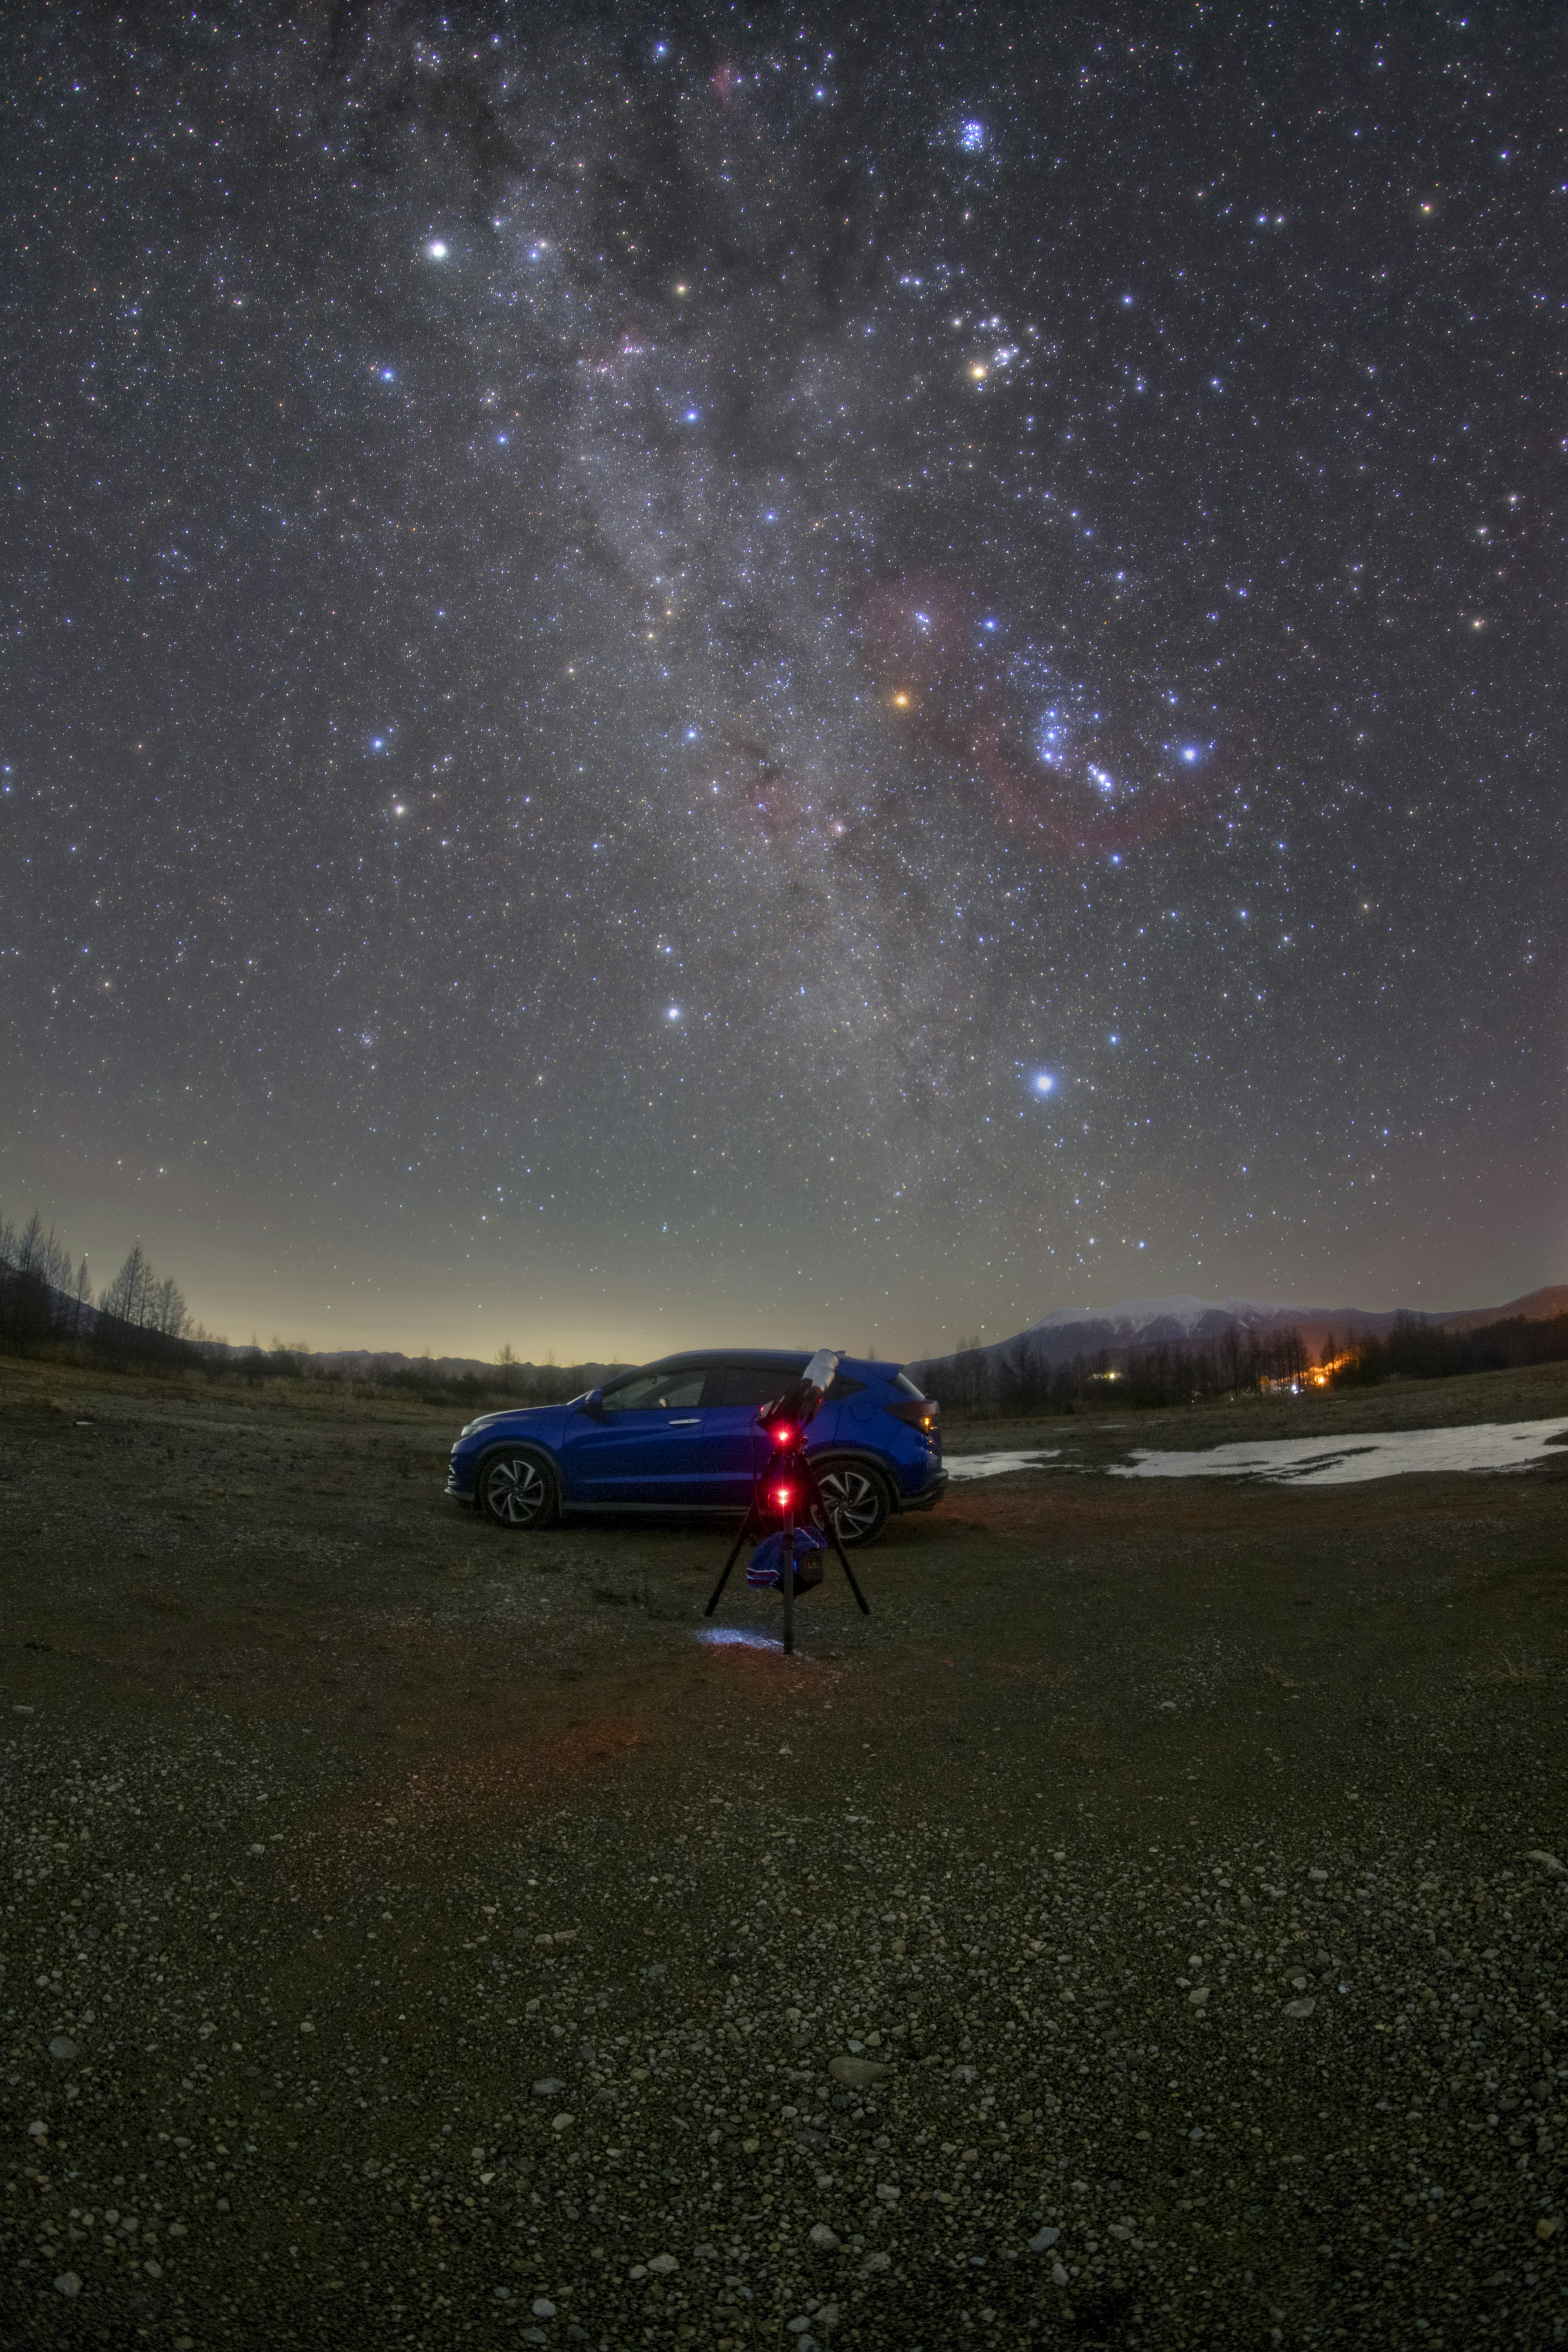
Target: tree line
(1020, 1378)
(45, 1294)
(141, 1319)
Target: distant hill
(371, 1363)
(1536, 1306)
(1068, 1333)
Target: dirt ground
(1145, 1928)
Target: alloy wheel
(856, 1501)
(516, 1491)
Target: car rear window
(908, 1385)
(840, 1386)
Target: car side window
(753, 1384)
(657, 1390)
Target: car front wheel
(858, 1500)
(517, 1491)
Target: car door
(733, 1446)
(643, 1445)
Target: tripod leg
(786, 1583)
(729, 1563)
(826, 1516)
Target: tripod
(789, 1479)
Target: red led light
(782, 1497)
(784, 1436)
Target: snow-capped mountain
(1068, 1332)
(1134, 1317)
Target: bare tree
(167, 1313)
(129, 1295)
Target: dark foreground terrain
(1143, 1930)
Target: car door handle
(691, 1421)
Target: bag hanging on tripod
(767, 1562)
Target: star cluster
(686, 675)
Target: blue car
(682, 1436)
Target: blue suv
(682, 1436)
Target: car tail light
(920, 1413)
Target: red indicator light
(782, 1497)
(784, 1436)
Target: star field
(687, 677)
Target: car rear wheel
(517, 1491)
(858, 1499)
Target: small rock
(543, 2307)
(68, 2284)
(663, 2264)
(1548, 2228)
(1043, 2238)
(1549, 1861)
(563, 2122)
(826, 2240)
(548, 2088)
(37, 2131)
(886, 2192)
(1058, 2273)
(62, 2047)
(858, 2073)
(1321, 1876)
(1198, 1997)
(875, 2263)
(1303, 2008)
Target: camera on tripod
(788, 1521)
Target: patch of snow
(1345, 1461)
(994, 1466)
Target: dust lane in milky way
(666, 682)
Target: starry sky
(674, 677)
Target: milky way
(815, 681)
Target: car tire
(517, 1490)
(859, 1499)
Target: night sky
(674, 677)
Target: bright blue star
(1044, 1082)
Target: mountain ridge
(1183, 1319)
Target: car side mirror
(593, 1404)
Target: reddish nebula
(1102, 792)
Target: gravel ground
(1146, 1929)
